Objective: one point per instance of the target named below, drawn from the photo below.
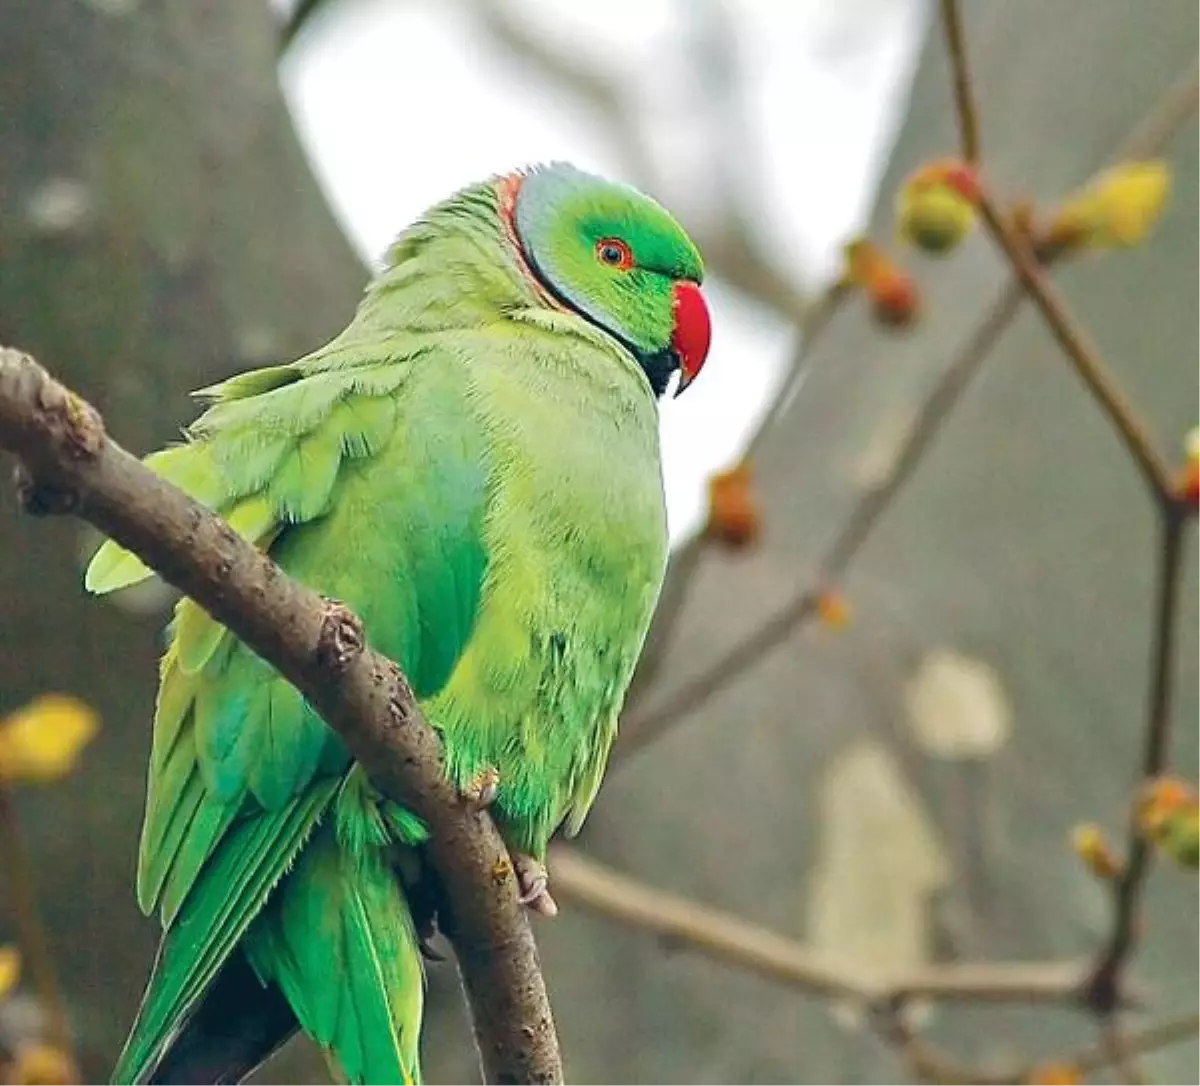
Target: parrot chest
(577, 545)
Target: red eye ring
(614, 253)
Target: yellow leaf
(895, 300)
(42, 741)
(1118, 208)
(10, 969)
(40, 1064)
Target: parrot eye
(614, 252)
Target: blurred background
(191, 188)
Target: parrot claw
(533, 886)
(480, 791)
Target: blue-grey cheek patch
(542, 192)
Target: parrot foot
(533, 885)
(480, 791)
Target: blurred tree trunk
(159, 228)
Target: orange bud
(1162, 799)
(734, 512)
(833, 609)
(953, 173)
(1055, 1074)
(935, 207)
(1094, 850)
(1188, 483)
(895, 300)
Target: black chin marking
(656, 365)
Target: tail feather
(338, 939)
(210, 926)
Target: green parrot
(473, 466)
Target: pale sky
(400, 103)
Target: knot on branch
(342, 638)
(71, 423)
(63, 420)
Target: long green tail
(334, 940)
(339, 942)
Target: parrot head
(618, 259)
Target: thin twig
(1174, 108)
(1104, 988)
(1073, 338)
(68, 464)
(756, 949)
(1140, 1043)
(818, 317)
(32, 937)
(964, 99)
(1166, 116)
(1119, 1056)
(927, 1061)
(642, 729)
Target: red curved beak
(693, 332)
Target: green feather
(339, 941)
(176, 794)
(254, 519)
(302, 485)
(291, 739)
(251, 383)
(248, 864)
(197, 636)
(190, 468)
(365, 423)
